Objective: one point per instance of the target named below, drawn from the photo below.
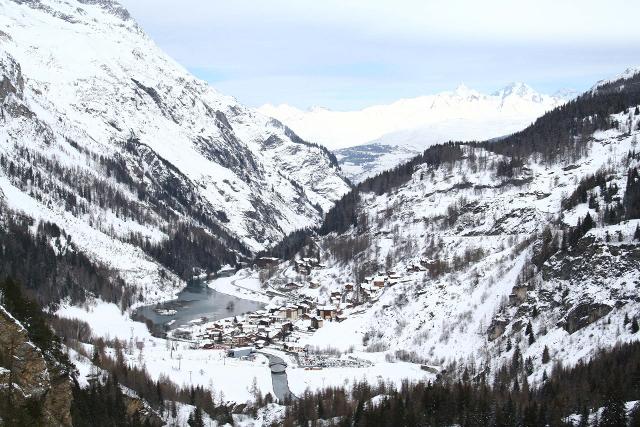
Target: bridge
(278, 367)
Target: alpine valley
(172, 257)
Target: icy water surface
(195, 303)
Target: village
(283, 326)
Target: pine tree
(634, 417)
(614, 414)
(587, 224)
(159, 395)
(321, 414)
(358, 414)
(195, 418)
(584, 417)
(528, 366)
(634, 326)
(545, 355)
(516, 361)
(529, 332)
(636, 235)
(174, 410)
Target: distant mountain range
(379, 137)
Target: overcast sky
(348, 54)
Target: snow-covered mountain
(376, 138)
(107, 136)
(477, 254)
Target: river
(194, 303)
(279, 377)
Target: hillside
(151, 172)
(474, 254)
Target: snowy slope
(105, 135)
(91, 75)
(474, 232)
(411, 125)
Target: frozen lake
(195, 303)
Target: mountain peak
(515, 88)
(566, 94)
(627, 73)
(464, 91)
(112, 6)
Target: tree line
(608, 380)
(50, 266)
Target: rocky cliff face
(27, 378)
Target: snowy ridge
(626, 74)
(411, 125)
(516, 103)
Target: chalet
(369, 292)
(268, 334)
(317, 322)
(302, 267)
(263, 336)
(249, 328)
(303, 308)
(287, 327)
(240, 352)
(264, 321)
(291, 312)
(240, 340)
(378, 282)
(292, 347)
(276, 318)
(213, 334)
(327, 312)
(348, 287)
(292, 286)
(429, 263)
